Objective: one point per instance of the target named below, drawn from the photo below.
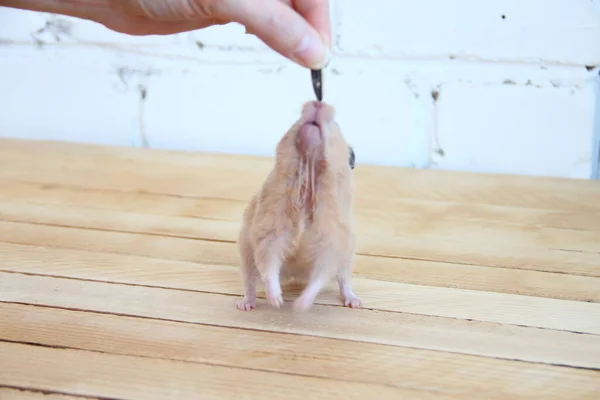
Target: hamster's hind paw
(352, 301)
(246, 304)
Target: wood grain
(225, 253)
(456, 374)
(423, 233)
(157, 171)
(544, 249)
(475, 277)
(399, 329)
(119, 274)
(80, 372)
(405, 211)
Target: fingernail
(312, 52)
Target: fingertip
(312, 52)
(280, 27)
(317, 14)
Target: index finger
(279, 26)
(316, 13)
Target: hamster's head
(317, 138)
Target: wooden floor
(119, 276)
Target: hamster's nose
(310, 110)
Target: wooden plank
(193, 276)
(456, 374)
(7, 393)
(158, 171)
(157, 218)
(378, 233)
(400, 329)
(377, 295)
(474, 277)
(405, 211)
(87, 217)
(443, 249)
(168, 248)
(71, 371)
(211, 252)
(475, 243)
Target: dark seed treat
(317, 81)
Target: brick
(17, 25)
(557, 31)
(516, 129)
(218, 44)
(72, 95)
(220, 90)
(247, 110)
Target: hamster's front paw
(303, 303)
(273, 292)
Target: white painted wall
(513, 91)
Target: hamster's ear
(352, 157)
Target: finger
(279, 27)
(169, 28)
(286, 2)
(316, 12)
(141, 26)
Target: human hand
(297, 29)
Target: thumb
(280, 27)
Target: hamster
(299, 225)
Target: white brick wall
(514, 87)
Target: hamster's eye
(352, 157)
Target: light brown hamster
(300, 223)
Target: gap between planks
(541, 245)
(425, 332)
(415, 271)
(293, 354)
(568, 261)
(577, 263)
(223, 253)
(420, 234)
(378, 295)
(207, 207)
(9, 392)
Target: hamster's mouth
(309, 138)
(316, 113)
(310, 134)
